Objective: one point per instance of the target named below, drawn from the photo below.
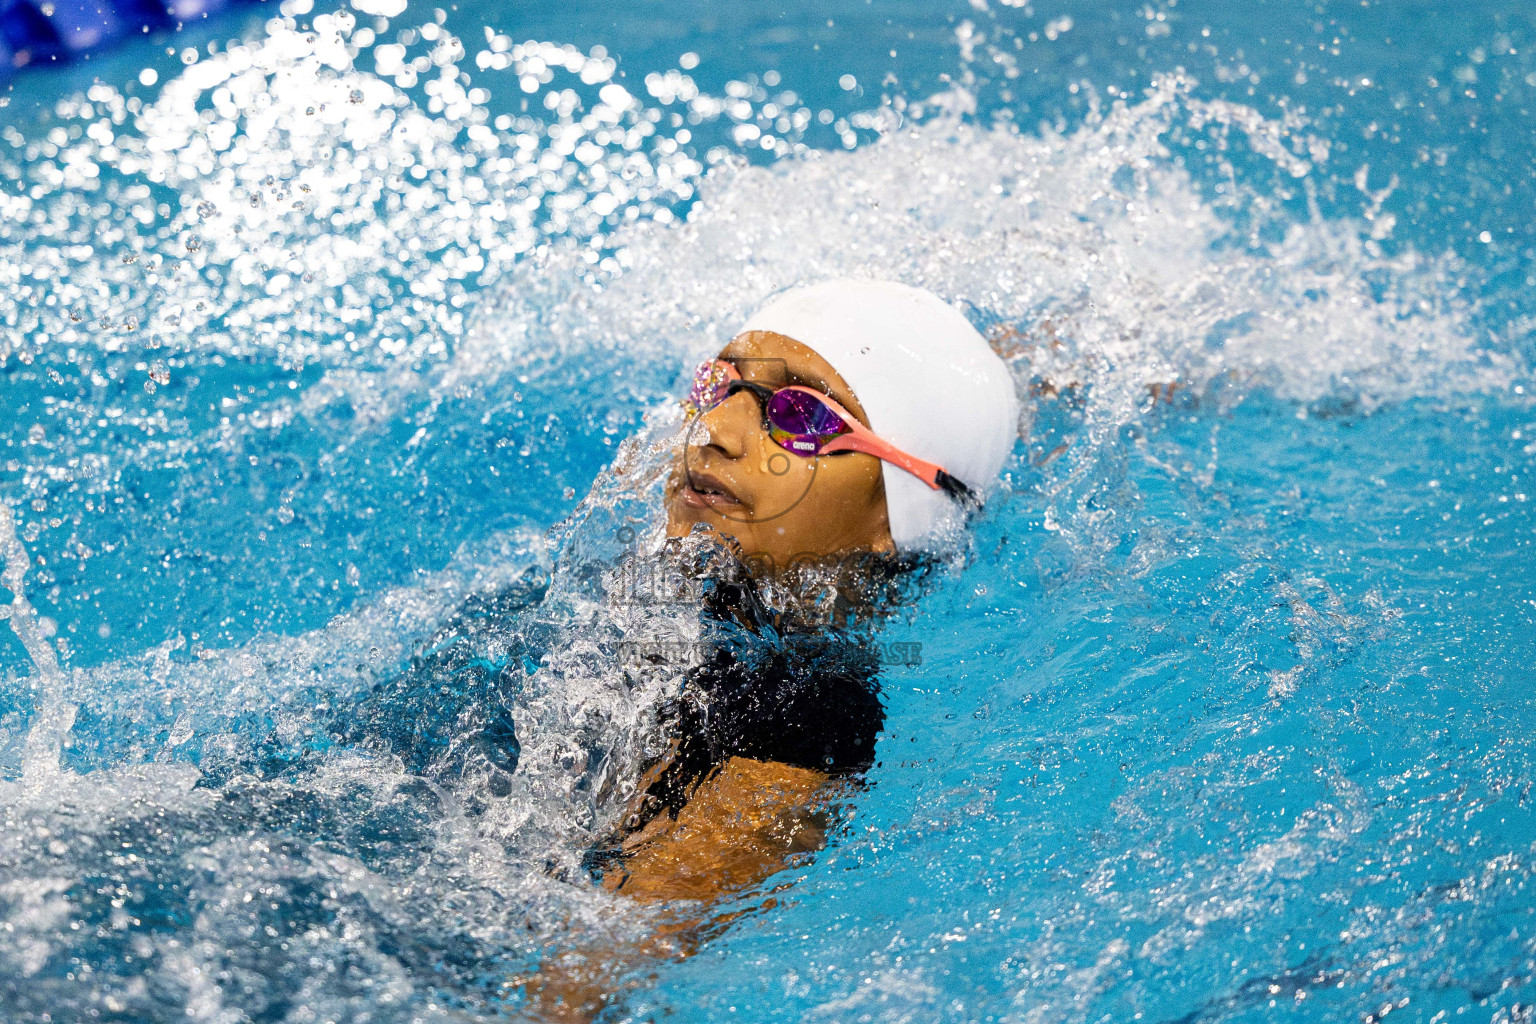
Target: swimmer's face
(777, 505)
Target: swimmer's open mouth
(700, 490)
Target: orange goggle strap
(861, 439)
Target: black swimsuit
(809, 704)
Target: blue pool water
(316, 325)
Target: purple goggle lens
(800, 423)
(711, 382)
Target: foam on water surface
(304, 351)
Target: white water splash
(54, 716)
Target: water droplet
(205, 209)
(194, 243)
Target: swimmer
(848, 424)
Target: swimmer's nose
(732, 423)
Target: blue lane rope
(40, 32)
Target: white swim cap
(929, 383)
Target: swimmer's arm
(741, 826)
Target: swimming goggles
(808, 423)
